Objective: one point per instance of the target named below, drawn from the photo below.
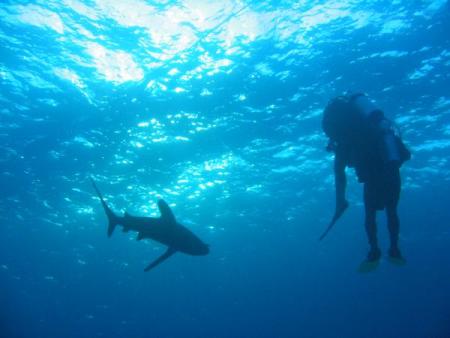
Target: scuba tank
(390, 145)
(353, 118)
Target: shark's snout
(203, 250)
(206, 249)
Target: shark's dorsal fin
(170, 251)
(166, 212)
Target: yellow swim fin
(368, 266)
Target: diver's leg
(393, 187)
(393, 224)
(371, 226)
(370, 222)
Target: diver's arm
(340, 181)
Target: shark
(164, 229)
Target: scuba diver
(362, 138)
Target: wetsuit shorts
(383, 190)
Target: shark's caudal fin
(170, 251)
(112, 218)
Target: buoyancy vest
(355, 121)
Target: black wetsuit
(382, 184)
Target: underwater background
(216, 107)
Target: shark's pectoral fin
(163, 257)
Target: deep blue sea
(216, 107)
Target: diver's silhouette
(363, 138)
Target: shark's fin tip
(166, 212)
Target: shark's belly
(178, 238)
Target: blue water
(216, 107)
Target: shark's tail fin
(113, 220)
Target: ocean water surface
(216, 106)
